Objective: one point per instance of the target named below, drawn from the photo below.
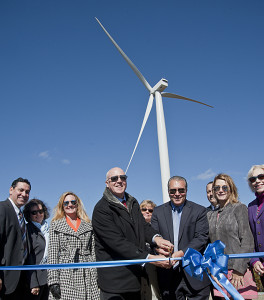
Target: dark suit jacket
(193, 233)
(11, 246)
(37, 239)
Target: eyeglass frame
(217, 188)
(66, 203)
(38, 211)
(147, 209)
(255, 178)
(180, 190)
(114, 178)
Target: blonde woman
(229, 223)
(71, 240)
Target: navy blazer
(193, 233)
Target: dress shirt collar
(17, 210)
(176, 208)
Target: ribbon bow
(216, 261)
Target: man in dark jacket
(185, 224)
(14, 244)
(120, 234)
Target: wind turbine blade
(148, 110)
(170, 95)
(132, 66)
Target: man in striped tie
(13, 241)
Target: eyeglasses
(254, 178)
(218, 187)
(66, 203)
(115, 178)
(147, 209)
(173, 191)
(35, 212)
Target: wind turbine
(157, 92)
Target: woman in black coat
(36, 213)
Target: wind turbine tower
(157, 93)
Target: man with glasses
(185, 224)
(14, 247)
(120, 234)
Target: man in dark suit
(185, 224)
(13, 240)
(209, 192)
(120, 234)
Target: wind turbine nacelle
(160, 86)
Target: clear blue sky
(71, 108)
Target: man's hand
(258, 268)
(55, 291)
(179, 253)
(0, 284)
(164, 247)
(163, 264)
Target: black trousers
(180, 289)
(122, 296)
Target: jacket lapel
(168, 219)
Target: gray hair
(177, 178)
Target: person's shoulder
(253, 203)
(195, 206)
(4, 203)
(239, 206)
(100, 204)
(159, 208)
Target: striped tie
(23, 231)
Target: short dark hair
(177, 178)
(20, 179)
(35, 202)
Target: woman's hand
(35, 291)
(216, 280)
(237, 279)
(258, 268)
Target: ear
(107, 184)
(11, 190)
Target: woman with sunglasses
(36, 213)
(71, 241)
(256, 215)
(229, 223)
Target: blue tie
(176, 226)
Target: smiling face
(19, 194)
(147, 211)
(70, 209)
(37, 213)
(117, 188)
(221, 194)
(177, 192)
(258, 184)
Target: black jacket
(120, 234)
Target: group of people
(121, 229)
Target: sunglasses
(115, 178)
(254, 178)
(218, 187)
(147, 209)
(35, 212)
(173, 191)
(66, 203)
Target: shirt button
(258, 232)
(258, 222)
(259, 245)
